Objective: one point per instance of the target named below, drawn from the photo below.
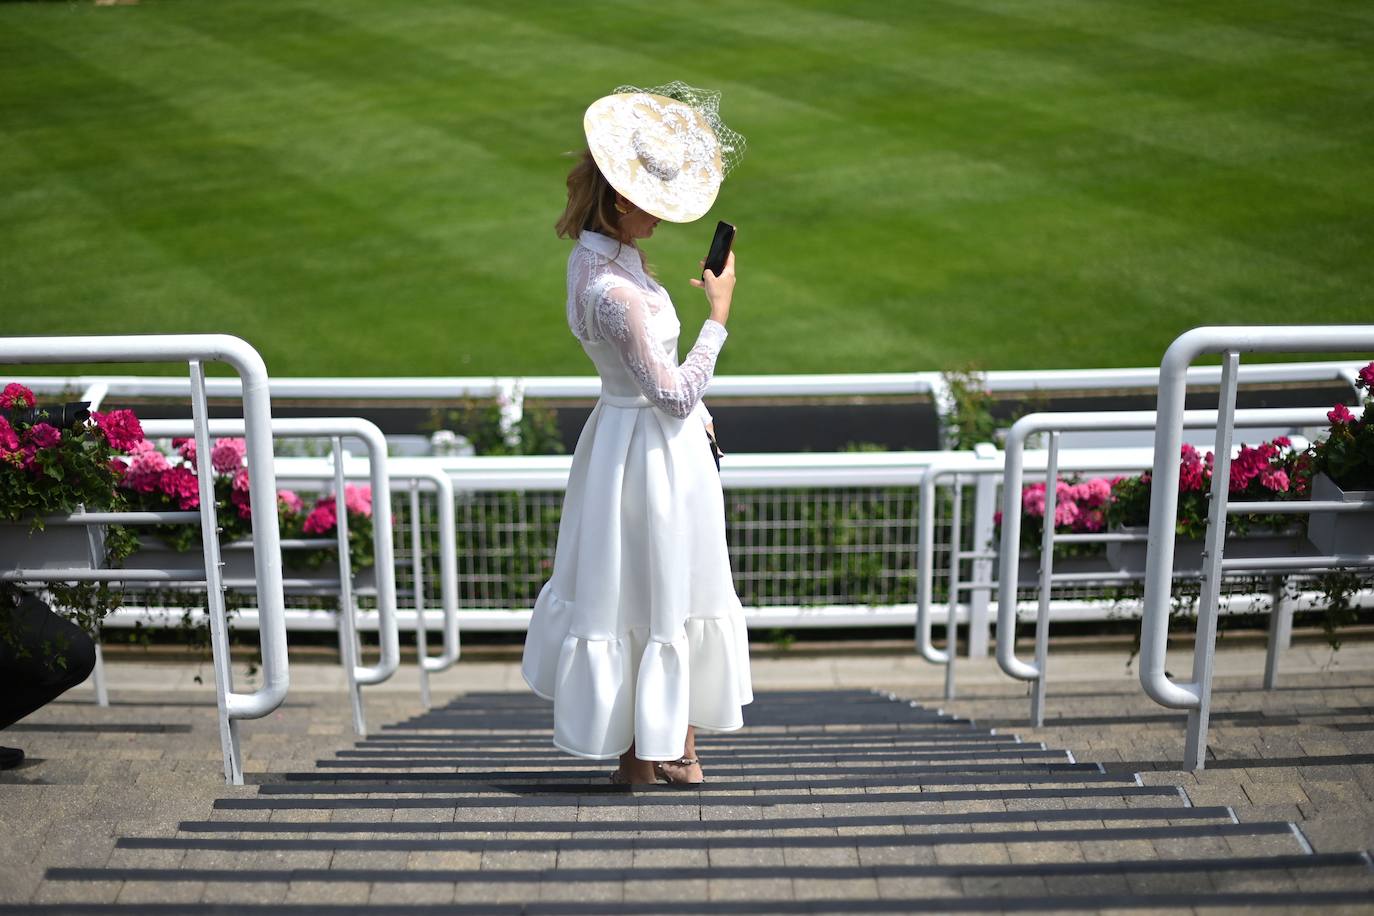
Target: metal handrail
(383, 551)
(254, 387)
(428, 471)
(970, 464)
(727, 386)
(1195, 696)
(1008, 570)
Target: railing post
(1042, 616)
(984, 528)
(1214, 547)
(956, 526)
(417, 574)
(214, 581)
(349, 643)
(925, 568)
(1280, 630)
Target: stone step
(1112, 795)
(1315, 874)
(970, 819)
(1178, 838)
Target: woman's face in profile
(637, 224)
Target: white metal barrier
(417, 473)
(511, 391)
(252, 384)
(983, 467)
(1196, 695)
(1008, 572)
(356, 673)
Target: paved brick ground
(836, 798)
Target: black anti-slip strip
(865, 841)
(1259, 864)
(837, 757)
(1302, 900)
(349, 782)
(935, 739)
(274, 803)
(726, 767)
(711, 826)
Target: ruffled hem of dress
(630, 689)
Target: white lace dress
(639, 632)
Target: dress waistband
(625, 400)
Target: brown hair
(591, 202)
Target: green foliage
(1130, 503)
(480, 423)
(969, 420)
(948, 181)
(1339, 587)
(1346, 455)
(43, 472)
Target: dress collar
(627, 256)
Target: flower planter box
(238, 564)
(55, 547)
(1028, 566)
(1334, 533)
(153, 554)
(1129, 556)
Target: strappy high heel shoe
(677, 781)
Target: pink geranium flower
(43, 435)
(358, 499)
(9, 441)
(1340, 415)
(323, 518)
(186, 448)
(290, 502)
(242, 500)
(146, 468)
(16, 395)
(240, 484)
(1366, 378)
(180, 484)
(121, 429)
(226, 455)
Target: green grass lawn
(369, 188)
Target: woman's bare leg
(692, 771)
(635, 770)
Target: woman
(638, 637)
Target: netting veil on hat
(664, 148)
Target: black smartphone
(720, 248)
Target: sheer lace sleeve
(623, 319)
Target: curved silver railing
(196, 349)
(382, 544)
(1230, 342)
(1008, 568)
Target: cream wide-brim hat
(660, 153)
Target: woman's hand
(719, 290)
